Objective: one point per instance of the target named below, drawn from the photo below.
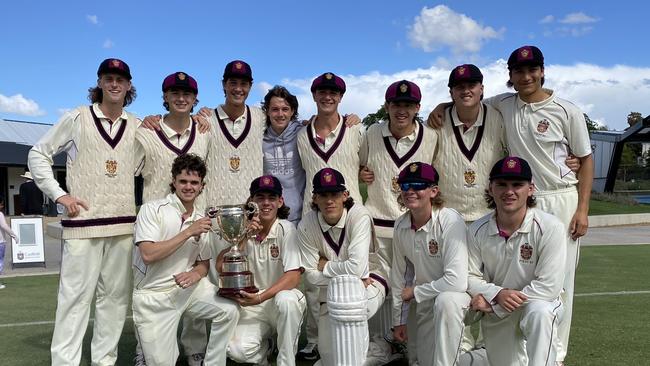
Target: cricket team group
(473, 217)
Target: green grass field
(608, 329)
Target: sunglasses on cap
(416, 186)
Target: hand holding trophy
(232, 222)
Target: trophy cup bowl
(231, 221)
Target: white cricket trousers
(525, 337)
(98, 267)
(283, 313)
(563, 203)
(435, 333)
(157, 313)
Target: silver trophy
(232, 222)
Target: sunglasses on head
(416, 186)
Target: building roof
(22, 132)
(17, 137)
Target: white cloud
(108, 44)
(547, 19)
(440, 26)
(17, 104)
(606, 94)
(62, 111)
(578, 18)
(92, 19)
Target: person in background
(4, 230)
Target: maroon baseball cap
(265, 183)
(328, 180)
(114, 66)
(418, 172)
(513, 168)
(180, 80)
(238, 69)
(526, 55)
(403, 91)
(466, 73)
(328, 80)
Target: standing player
(472, 140)
(430, 267)
(281, 157)
(274, 260)
(339, 253)
(99, 214)
(171, 262)
(516, 269)
(178, 135)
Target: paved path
(617, 235)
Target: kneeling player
(170, 268)
(430, 266)
(274, 260)
(516, 270)
(339, 253)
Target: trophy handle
(213, 213)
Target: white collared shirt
(531, 260)
(161, 220)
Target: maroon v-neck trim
(334, 245)
(469, 153)
(111, 141)
(172, 147)
(409, 154)
(234, 142)
(314, 145)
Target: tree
(372, 118)
(591, 125)
(633, 118)
(381, 115)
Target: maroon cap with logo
(114, 66)
(238, 69)
(525, 55)
(403, 91)
(180, 80)
(266, 183)
(328, 180)
(418, 172)
(328, 81)
(511, 167)
(464, 74)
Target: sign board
(29, 248)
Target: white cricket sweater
(102, 175)
(465, 170)
(343, 156)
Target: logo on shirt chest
(394, 186)
(275, 251)
(542, 126)
(434, 247)
(470, 177)
(525, 252)
(111, 168)
(234, 163)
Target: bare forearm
(155, 251)
(289, 280)
(202, 268)
(586, 179)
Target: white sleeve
(454, 255)
(62, 137)
(358, 252)
(147, 225)
(290, 252)
(140, 151)
(577, 133)
(476, 283)
(363, 150)
(309, 256)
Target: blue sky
(596, 53)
